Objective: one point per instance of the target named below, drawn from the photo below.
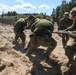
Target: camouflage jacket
(19, 25)
(72, 27)
(65, 23)
(73, 35)
(42, 27)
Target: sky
(29, 6)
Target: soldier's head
(73, 13)
(66, 15)
(30, 19)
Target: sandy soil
(13, 59)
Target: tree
(57, 12)
(64, 7)
(54, 14)
(14, 13)
(73, 3)
(9, 13)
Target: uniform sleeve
(32, 27)
(73, 35)
(34, 24)
(27, 27)
(71, 27)
(60, 25)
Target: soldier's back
(20, 24)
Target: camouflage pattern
(71, 50)
(42, 29)
(18, 29)
(72, 27)
(65, 23)
(41, 41)
(73, 34)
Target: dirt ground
(13, 59)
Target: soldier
(41, 35)
(71, 50)
(18, 30)
(63, 24)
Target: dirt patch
(13, 60)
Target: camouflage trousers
(41, 41)
(70, 51)
(20, 35)
(65, 39)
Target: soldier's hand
(69, 32)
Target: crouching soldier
(18, 30)
(41, 35)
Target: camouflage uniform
(64, 23)
(71, 50)
(18, 29)
(42, 35)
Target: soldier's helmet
(72, 13)
(66, 14)
(30, 17)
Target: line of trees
(57, 13)
(12, 16)
(64, 7)
(15, 14)
(9, 13)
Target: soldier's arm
(72, 34)
(60, 25)
(71, 27)
(32, 27)
(27, 27)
